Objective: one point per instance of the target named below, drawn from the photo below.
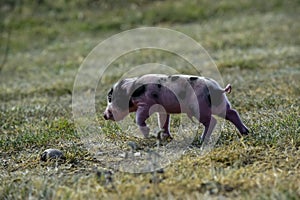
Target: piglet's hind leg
(233, 116)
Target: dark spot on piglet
(207, 96)
(213, 96)
(161, 81)
(139, 91)
(193, 78)
(208, 99)
(154, 95)
(173, 78)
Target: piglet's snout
(105, 117)
(108, 115)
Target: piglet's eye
(109, 97)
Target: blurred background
(255, 44)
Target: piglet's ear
(122, 93)
(128, 85)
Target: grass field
(256, 46)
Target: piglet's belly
(173, 108)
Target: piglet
(198, 97)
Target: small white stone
(137, 154)
(52, 154)
(123, 155)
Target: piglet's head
(118, 100)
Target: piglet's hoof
(244, 132)
(167, 137)
(145, 130)
(162, 136)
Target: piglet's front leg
(142, 114)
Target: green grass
(255, 45)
